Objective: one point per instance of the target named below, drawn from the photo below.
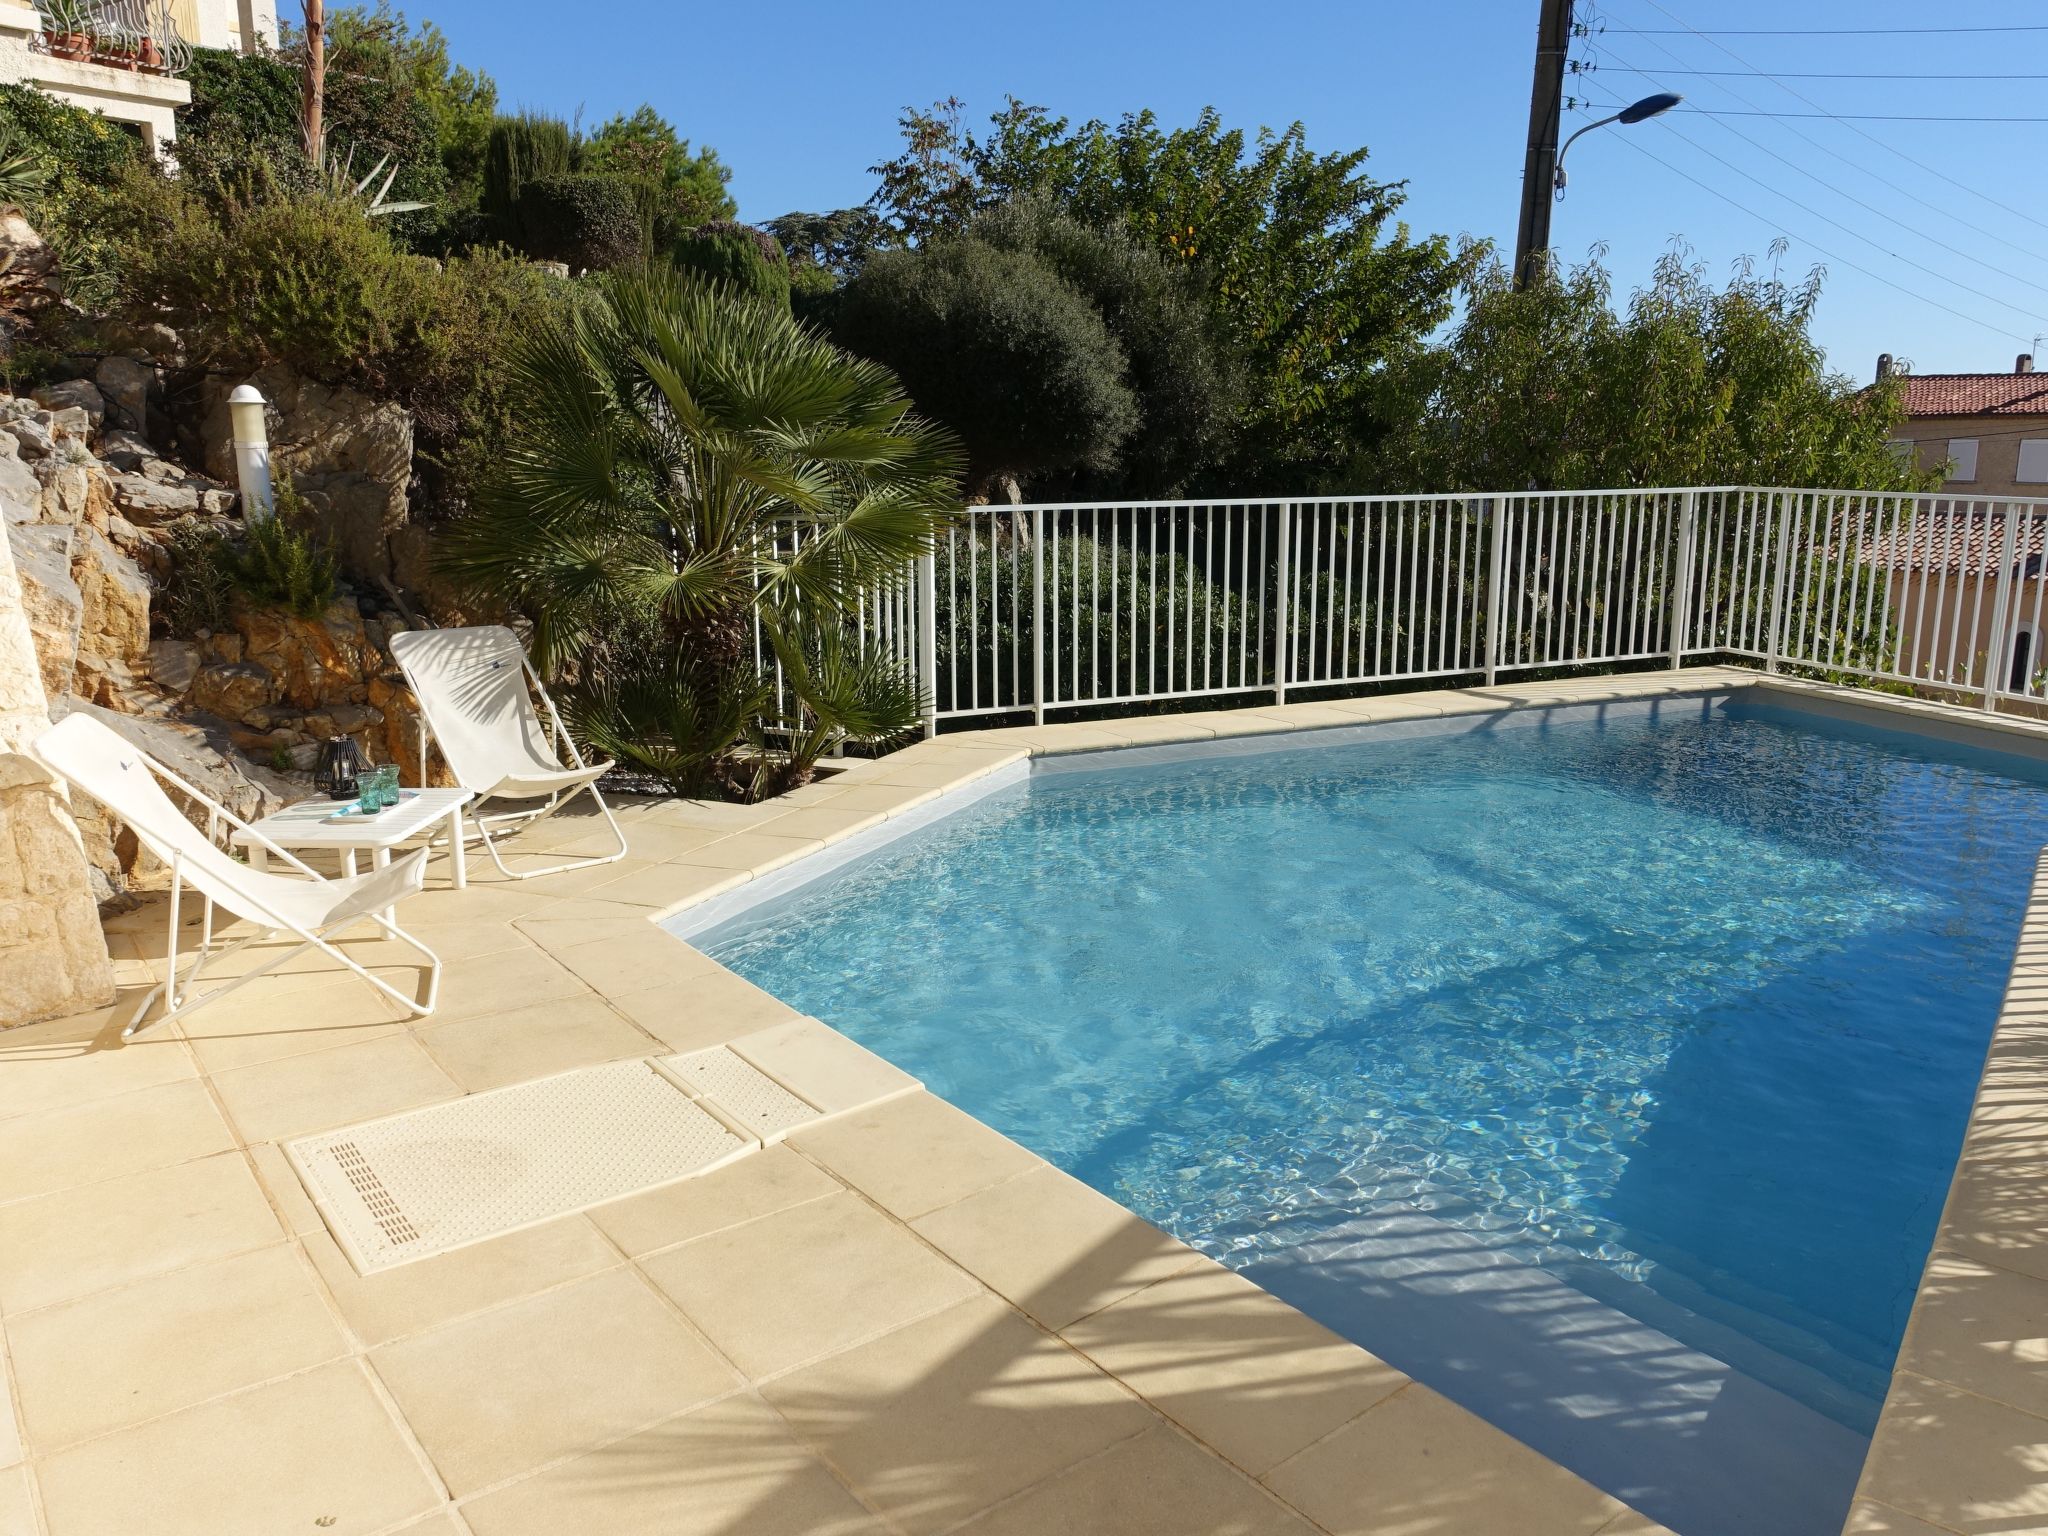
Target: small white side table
(309, 825)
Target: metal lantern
(340, 762)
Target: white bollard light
(252, 452)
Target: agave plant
(698, 485)
(341, 179)
(23, 172)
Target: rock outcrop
(240, 712)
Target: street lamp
(1642, 111)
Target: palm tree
(697, 485)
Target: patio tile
(842, 1273)
(269, 1020)
(493, 984)
(1983, 1329)
(1155, 1485)
(61, 1246)
(914, 1154)
(727, 1468)
(753, 851)
(821, 1065)
(300, 1094)
(500, 1048)
(827, 824)
(1237, 1368)
(570, 882)
(1869, 1518)
(654, 843)
(17, 1506)
(280, 1181)
(939, 773)
(151, 1128)
(769, 1181)
(889, 799)
(81, 1058)
(315, 1452)
(633, 961)
(1419, 1462)
(122, 1356)
(428, 1293)
(708, 1008)
(941, 1419)
(585, 910)
(463, 940)
(512, 1389)
(11, 1449)
(660, 887)
(1054, 1246)
(1958, 1460)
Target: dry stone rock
(67, 490)
(21, 493)
(126, 383)
(70, 422)
(114, 633)
(146, 501)
(82, 393)
(232, 689)
(125, 450)
(50, 600)
(173, 664)
(31, 437)
(26, 263)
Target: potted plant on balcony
(118, 52)
(65, 29)
(149, 55)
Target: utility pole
(1539, 169)
(313, 84)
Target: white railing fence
(1035, 609)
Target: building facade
(122, 58)
(1990, 430)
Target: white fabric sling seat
(476, 692)
(103, 764)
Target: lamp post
(1534, 255)
(252, 452)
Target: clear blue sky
(799, 98)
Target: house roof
(1967, 543)
(1976, 394)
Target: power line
(2030, 252)
(1758, 144)
(1997, 330)
(1811, 74)
(1680, 30)
(1880, 143)
(1856, 234)
(1853, 117)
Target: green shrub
(740, 256)
(590, 222)
(280, 565)
(521, 148)
(199, 590)
(84, 147)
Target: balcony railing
(1032, 610)
(120, 34)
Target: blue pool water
(1606, 1074)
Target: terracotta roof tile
(1976, 394)
(1964, 542)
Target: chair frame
(559, 738)
(177, 992)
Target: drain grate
(433, 1179)
(744, 1093)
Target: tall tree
(314, 82)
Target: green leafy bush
(590, 222)
(527, 146)
(998, 347)
(198, 592)
(279, 565)
(740, 256)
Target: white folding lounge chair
(476, 691)
(130, 784)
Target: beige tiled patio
(897, 1321)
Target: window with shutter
(1962, 458)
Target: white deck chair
(130, 784)
(476, 691)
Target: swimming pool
(1605, 1072)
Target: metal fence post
(1283, 603)
(2001, 610)
(1037, 616)
(1496, 518)
(1681, 581)
(1782, 554)
(928, 638)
